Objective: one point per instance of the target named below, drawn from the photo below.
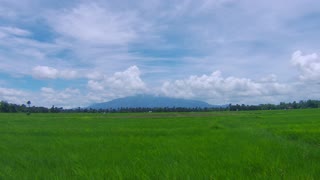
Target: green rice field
(283, 144)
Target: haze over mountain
(148, 101)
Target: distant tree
(4, 106)
(294, 105)
(29, 103)
(52, 109)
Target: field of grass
(218, 145)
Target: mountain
(148, 101)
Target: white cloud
(91, 23)
(47, 90)
(14, 31)
(97, 36)
(19, 52)
(94, 85)
(67, 98)
(221, 90)
(119, 84)
(308, 65)
(269, 78)
(10, 92)
(68, 74)
(13, 95)
(45, 72)
(128, 79)
(94, 74)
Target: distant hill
(148, 101)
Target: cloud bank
(221, 90)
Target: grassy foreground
(218, 145)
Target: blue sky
(78, 52)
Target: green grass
(218, 145)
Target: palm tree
(29, 103)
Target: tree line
(282, 105)
(6, 107)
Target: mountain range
(149, 101)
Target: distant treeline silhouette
(6, 107)
(291, 105)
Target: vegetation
(291, 105)
(13, 108)
(275, 144)
(6, 107)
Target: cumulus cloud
(67, 98)
(10, 92)
(123, 83)
(128, 79)
(13, 95)
(45, 72)
(308, 65)
(94, 85)
(220, 89)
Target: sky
(78, 52)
